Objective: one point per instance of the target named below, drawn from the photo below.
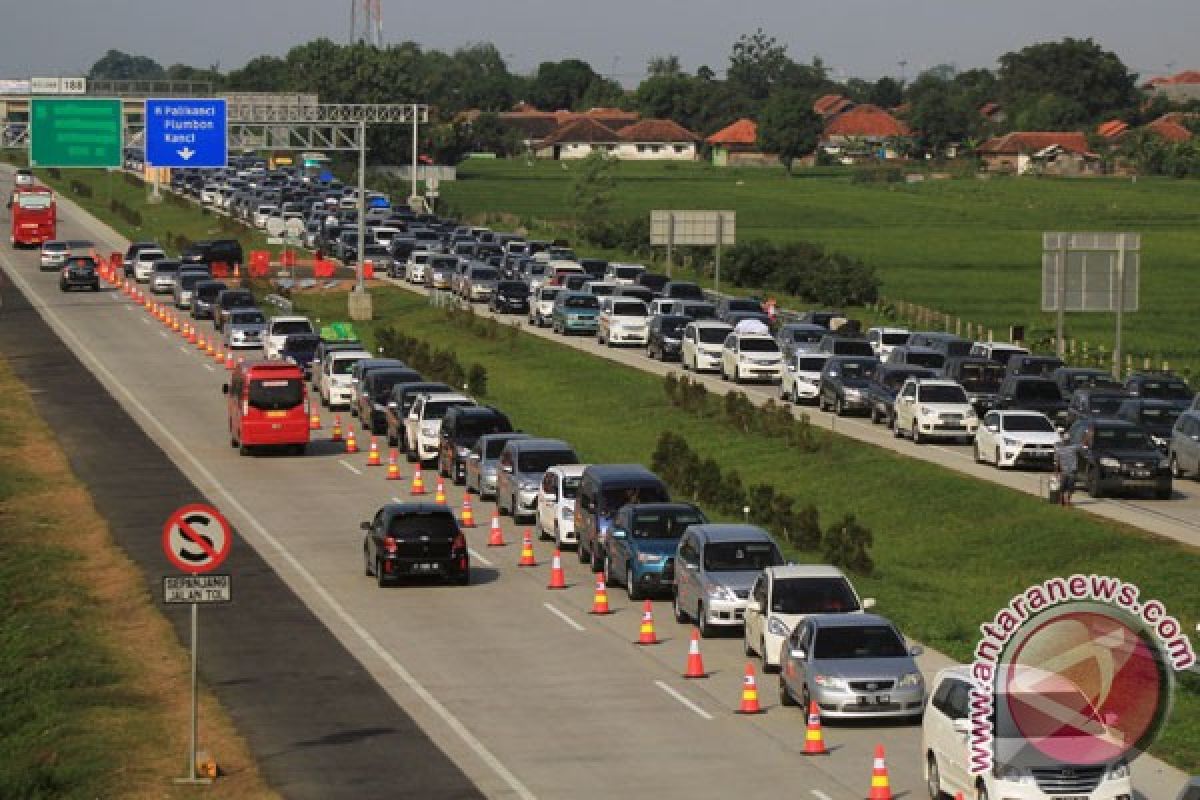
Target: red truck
(34, 216)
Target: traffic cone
(175, 326)
(314, 419)
(496, 536)
(208, 351)
(814, 740)
(199, 341)
(468, 513)
(418, 482)
(337, 428)
(373, 454)
(527, 559)
(351, 442)
(191, 334)
(646, 631)
(695, 662)
(558, 579)
(439, 492)
(241, 360)
(219, 356)
(393, 470)
(881, 788)
(229, 365)
(749, 693)
(600, 598)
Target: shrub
(847, 544)
(807, 533)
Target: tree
(939, 113)
(788, 126)
(592, 191)
(847, 544)
(756, 64)
(120, 66)
(887, 92)
(1077, 70)
(561, 84)
(262, 74)
(663, 65)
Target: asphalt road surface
(524, 691)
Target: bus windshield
(34, 201)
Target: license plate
(276, 414)
(424, 566)
(883, 699)
(1141, 473)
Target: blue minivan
(642, 543)
(603, 489)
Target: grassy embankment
(968, 247)
(950, 550)
(93, 684)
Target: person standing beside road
(1066, 462)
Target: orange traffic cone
(314, 419)
(600, 598)
(337, 428)
(175, 326)
(191, 334)
(373, 454)
(210, 349)
(200, 341)
(814, 740)
(218, 356)
(558, 579)
(351, 442)
(646, 631)
(229, 365)
(495, 535)
(695, 662)
(527, 559)
(241, 360)
(881, 788)
(439, 492)
(418, 482)
(468, 513)
(749, 693)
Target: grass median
(93, 684)
(950, 550)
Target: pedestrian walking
(1066, 462)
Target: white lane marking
(146, 320)
(350, 466)
(479, 558)
(563, 617)
(397, 500)
(210, 368)
(817, 793)
(163, 334)
(687, 703)
(301, 571)
(185, 349)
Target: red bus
(34, 216)
(268, 406)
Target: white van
(279, 328)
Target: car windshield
(542, 460)
(1165, 390)
(943, 394)
(858, 641)
(276, 395)
(301, 343)
(931, 360)
(742, 304)
(283, 328)
(472, 427)
(852, 370)
(81, 262)
(894, 380)
(436, 409)
(54, 247)
(484, 275)
(1089, 380)
(740, 556)
(802, 337)
(686, 291)
(1038, 390)
(570, 486)
(629, 310)
(673, 327)
(1122, 439)
(664, 524)
(344, 366)
(1039, 366)
(759, 346)
(189, 280)
(1105, 403)
(381, 384)
(612, 499)
(981, 377)
(812, 596)
(582, 301)
(810, 363)
(627, 273)
(514, 288)
(893, 338)
(712, 335)
(1033, 423)
(436, 525)
(247, 318)
(165, 267)
(1159, 417)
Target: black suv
(1033, 393)
(1071, 378)
(510, 297)
(1041, 366)
(461, 428)
(1160, 386)
(79, 273)
(980, 376)
(682, 290)
(1114, 455)
(844, 382)
(415, 540)
(1086, 403)
(665, 337)
(213, 251)
(1155, 417)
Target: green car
(575, 312)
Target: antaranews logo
(1073, 672)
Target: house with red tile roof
(1178, 88)
(831, 104)
(736, 145)
(863, 132)
(1113, 129)
(534, 125)
(1170, 127)
(646, 140)
(993, 112)
(1041, 152)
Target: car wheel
(737, 374)
(746, 648)
(597, 559)
(392, 441)
(233, 442)
(934, 779)
(1093, 484)
(681, 616)
(580, 553)
(631, 587)
(916, 434)
(512, 507)
(981, 792)
(977, 453)
(997, 461)
(381, 579)
(839, 407)
(558, 542)
(609, 578)
(464, 578)
(367, 563)
(1176, 472)
(785, 694)
(538, 529)
(874, 415)
(683, 364)
(894, 424)
(1163, 494)
(243, 450)
(706, 630)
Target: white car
(54, 254)
(555, 516)
(279, 328)
(623, 320)
(623, 274)
(660, 306)
(751, 357)
(701, 348)
(260, 216)
(945, 743)
(1016, 438)
(882, 340)
(783, 596)
(143, 264)
(334, 383)
(541, 304)
(209, 194)
(934, 409)
(801, 379)
(414, 267)
(423, 427)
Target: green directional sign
(75, 132)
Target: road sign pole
(670, 241)
(362, 201)
(1116, 368)
(415, 149)
(1061, 291)
(717, 270)
(191, 777)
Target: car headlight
(1010, 442)
(777, 627)
(910, 679)
(1110, 462)
(830, 681)
(854, 394)
(526, 485)
(1118, 771)
(566, 512)
(970, 413)
(926, 411)
(1012, 774)
(649, 558)
(718, 592)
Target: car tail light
(459, 543)
(389, 544)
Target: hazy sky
(864, 38)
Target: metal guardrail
(279, 301)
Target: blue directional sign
(186, 132)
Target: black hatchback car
(1114, 455)
(415, 540)
(1160, 386)
(844, 383)
(510, 297)
(79, 273)
(665, 337)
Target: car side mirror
(366, 526)
(916, 650)
(868, 602)
(619, 533)
(799, 653)
(224, 388)
(754, 606)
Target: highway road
(526, 692)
